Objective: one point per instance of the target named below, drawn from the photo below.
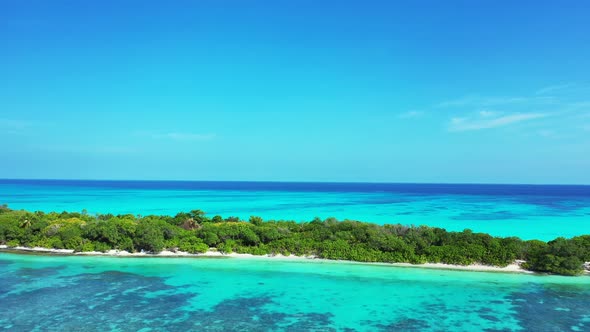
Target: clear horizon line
(283, 181)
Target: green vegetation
(194, 232)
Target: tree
(199, 216)
(149, 236)
(256, 221)
(25, 223)
(4, 208)
(350, 240)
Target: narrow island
(196, 233)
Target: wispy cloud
(487, 114)
(411, 115)
(476, 101)
(488, 121)
(484, 102)
(553, 88)
(567, 104)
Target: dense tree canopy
(194, 232)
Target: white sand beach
(512, 268)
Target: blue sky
(415, 91)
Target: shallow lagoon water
(73, 293)
(530, 212)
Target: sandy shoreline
(512, 268)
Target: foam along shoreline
(512, 268)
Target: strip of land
(196, 234)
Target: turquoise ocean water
(73, 293)
(530, 212)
